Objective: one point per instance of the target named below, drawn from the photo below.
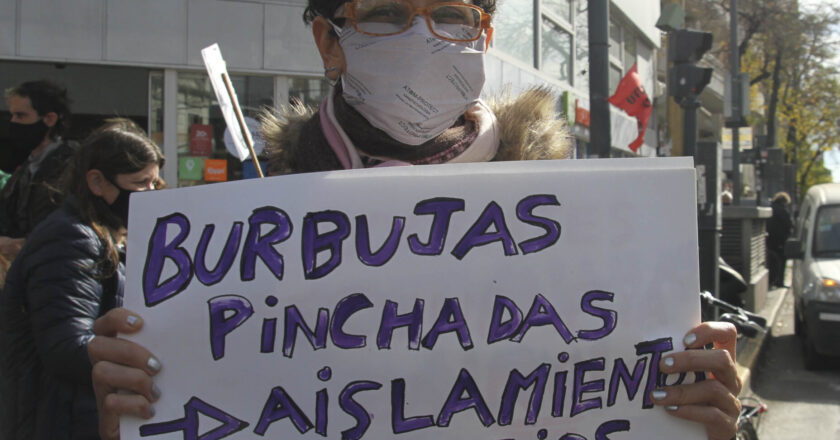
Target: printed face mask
(412, 85)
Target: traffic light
(685, 48)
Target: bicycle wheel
(746, 431)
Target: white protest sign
(216, 68)
(509, 300)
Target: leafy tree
(787, 52)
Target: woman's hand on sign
(121, 365)
(712, 402)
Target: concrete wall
(643, 14)
(264, 36)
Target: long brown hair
(118, 147)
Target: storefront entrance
(177, 108)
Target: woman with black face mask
(69, 272)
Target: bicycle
(749, 325)
(749, 418)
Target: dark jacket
(778, 227)
(28, 198)
(55, 290)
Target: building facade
(141, 59)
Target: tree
(787, 52)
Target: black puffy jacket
(55, 290)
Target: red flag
(631, 97)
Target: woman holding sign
(69, 273)
(408, 75)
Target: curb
(749, 349)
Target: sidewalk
(749, 349)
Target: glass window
(629, 51)
(556, 51)
(615, 40)
(203, 152)
(307, 91)
(559, 8)
(748, 181)
(615, 78)
(155, 127)
(581, 73)
(827, 236)
(802, 222)
(582, 148)
(514, 29)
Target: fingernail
(669, 361)
(131, 320)
(672, 407)
(689, 339)
(155, 391)
(153, 364)
(659, 394)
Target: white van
(815, 250)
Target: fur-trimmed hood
(529, 129)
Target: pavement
(749, 349)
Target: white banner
(217, 69)
(515, 300)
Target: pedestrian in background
(40, 115)
(778, 231)
(69, 272)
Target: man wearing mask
(39, 110)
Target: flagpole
(242, 126)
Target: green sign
(190, 168)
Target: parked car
(815, 250)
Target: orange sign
(215, 170)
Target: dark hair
(326, 8)
(46, 97)
(118, 147)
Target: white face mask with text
(412, 85)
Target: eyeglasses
(451, 21)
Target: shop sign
(567, 107)
(201, 140)
(581, 113)
(190, 168)
(215, 170)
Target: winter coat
(28, 198)
(528, 126)
(778, 227)
(56, 288)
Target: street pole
(690, 106)
(735, 73)
(599, 79)
(707, 159)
